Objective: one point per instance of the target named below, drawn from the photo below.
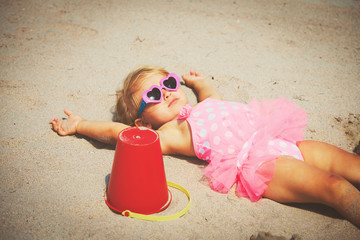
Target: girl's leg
(331, 159)
(295, 181)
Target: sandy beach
(74, 55)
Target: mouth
(172, 102)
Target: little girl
(258, 146)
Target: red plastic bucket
(137, 181)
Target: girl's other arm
(106, 132)
(203, 88)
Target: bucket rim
(145, 213)
(124, 141)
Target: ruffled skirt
(254, 164)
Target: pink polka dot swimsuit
(237, 139)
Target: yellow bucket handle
(128, 213)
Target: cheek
(181, 92)
(157, 113)
(159, 119)
(183, 96)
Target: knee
(334, 189)
(334, 179)
(319, 154)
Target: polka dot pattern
(203, 133)
(213, 127)
(200, 122)
(210, 122)
(216, 140)
(212, 116)
(228, 134)
(233, 135)
(286, 148)
(231, 149)
(214, 124)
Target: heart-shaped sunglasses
(155, 94)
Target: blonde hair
(127, 106)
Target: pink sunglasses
(155, 94)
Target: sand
(74, 54)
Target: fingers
(194, 73)
(61, 131)
(63, 127)
(185, 76)
(54, 120)
(192, 78)
(55, 124)
(68, 112)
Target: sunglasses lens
(154, 94)
(170, 83)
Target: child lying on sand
(259, 146)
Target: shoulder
(205, 103)
(175, 138)
(210, 99)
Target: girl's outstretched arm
(203, 88)
(106, 132)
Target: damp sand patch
(350, 126)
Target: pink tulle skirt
(251, 166)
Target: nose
(166, 94)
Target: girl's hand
(67, 126)
(192, 79)
(202, 87)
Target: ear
(141, 123)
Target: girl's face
(168, 109)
